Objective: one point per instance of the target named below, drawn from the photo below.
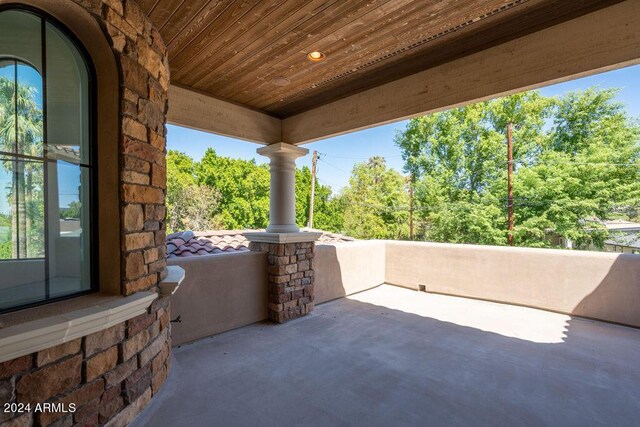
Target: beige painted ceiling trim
(195, 110)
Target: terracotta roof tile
(189, 243)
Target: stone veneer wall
(291, 277)
(142, 56)
(111, 375)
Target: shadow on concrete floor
(392, 356)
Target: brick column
(291, 277)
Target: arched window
(46, 162)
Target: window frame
(92, 168)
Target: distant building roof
(627, 240)
(621, 225)
(610, 224)
(189, 243)
(64, 152)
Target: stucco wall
(348, 268)
(227, 291)
(219, 293)
(592, 284)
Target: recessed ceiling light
(280, 81)
(316, 56)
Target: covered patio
(291, 330)
(394, 356)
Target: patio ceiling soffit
(601, 39)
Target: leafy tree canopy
(576, 158)
(71, 211)
(234, 194)
(576, 161)
(376, 202)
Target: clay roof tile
(188, 243)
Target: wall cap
(299, 237)
(175, 276)
(282, 149)
(29, 337)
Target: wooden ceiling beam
(595, 42)
(202, 112)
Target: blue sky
(339, 154)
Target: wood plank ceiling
(254, 52)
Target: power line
(330, 184)
(450, 203)
(558, 162)
(360, 158)
(333, 166)
(580, 163)
(540, 163)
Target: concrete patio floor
(392, 356)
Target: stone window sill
(20, 334)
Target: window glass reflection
(69, 230)
(45, 163)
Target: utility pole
(411, 235)
(313, 187)
(510, 183)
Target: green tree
(6, 250)
(21, 132)
(243, 187)
(190, 206)
(194, 207)
(576, 157)
(234, 194)
(71, 211)
(180, 175)
(327, 212)
(376, 202)
(588, 168)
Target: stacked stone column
(291, 277)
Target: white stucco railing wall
(347, 268)
(227, 291)
(597, 285)
(220, 292)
